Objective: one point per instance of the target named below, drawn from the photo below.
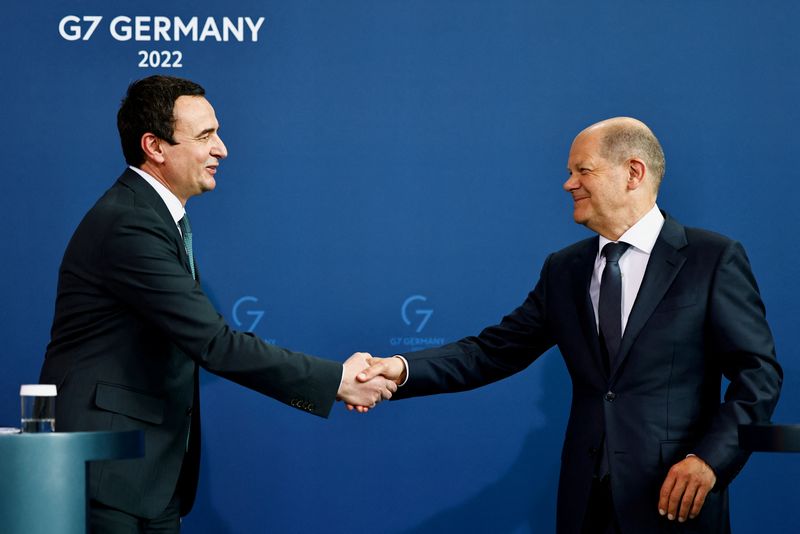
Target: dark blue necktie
(610, 304)
(186, 230)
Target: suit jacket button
(189, 411)
(610, 396)
(592, 451)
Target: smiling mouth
(578, 199)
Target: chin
(579, 217)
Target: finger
(699, 501)
(389, 387)
(380, 395)
(357, 408)
(666, 489)
(371, 372)
(675, 497)
(687, 502)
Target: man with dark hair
(649, 315)
(132, 324)
(148, 108)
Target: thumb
(370, 372)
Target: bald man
(649, 315)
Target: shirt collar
(643, 234)
(174, 205)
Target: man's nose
(219, 150)
(571, 184)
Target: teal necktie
(186, 230)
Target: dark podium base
(43, 477)
(770, 438)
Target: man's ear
(637, 171)
(152, 147)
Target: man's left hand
(685, 488)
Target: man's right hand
(363, 393)
(392, 368)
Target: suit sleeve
(496, 353)
(743, 346)
(143, 267)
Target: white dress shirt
(642, 237)
(632, 264)
(174, 205)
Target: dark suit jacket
(131, 327)
(698, 316)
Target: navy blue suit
(697, 317)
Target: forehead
(585, 148)
(193, 114)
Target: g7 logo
(70, 27)
(426, 314)
(255, 314)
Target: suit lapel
(665, 262)
(581, 274)
(147, 195)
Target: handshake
(367, 381)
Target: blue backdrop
(394, 181)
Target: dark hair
(147, 107)
(625, 140)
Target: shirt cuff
(405, 363)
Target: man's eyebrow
(206, 131)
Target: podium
(770, 438)
(43, 477)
